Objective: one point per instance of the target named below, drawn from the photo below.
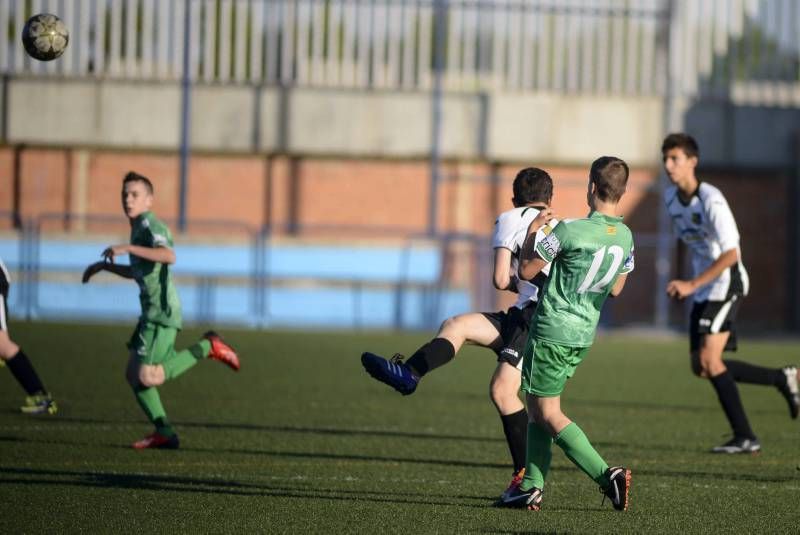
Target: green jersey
(587, 256)
(157, 294)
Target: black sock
(515, 427)
(435, 353)
(743, 372)
(22, 369)
(728, 395)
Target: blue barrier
(254, 284)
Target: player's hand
(92, 270)
(541, 219)
(679, 289)
(114, 250)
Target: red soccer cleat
(221, 351)
(157, 440)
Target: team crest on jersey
(697, 218)
(611, 231)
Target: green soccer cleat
(39, 404)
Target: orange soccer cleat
(157, 440)
(221, 351)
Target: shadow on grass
(185, 484)
(327, 431)
(167, 483)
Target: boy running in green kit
(590, 258)
(152, 356)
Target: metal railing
(580, 46)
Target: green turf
(302, 440)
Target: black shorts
(4, 285)
(513, 327)
(710, 317)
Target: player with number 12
(591, 258)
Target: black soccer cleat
(392, 372)
(791, 390)
(522, 499)
(739, 445)
(619, 487)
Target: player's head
(608, 179)
(680, 153)
(137, 194)
(532, 185)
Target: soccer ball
(45, 37)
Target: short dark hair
(682, 141)
(532, 185)
(136, 177)
(609, 174)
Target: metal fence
(643, 47)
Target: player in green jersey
(591, 258)
(152, 356)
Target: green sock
(539, 454)
(180, 361)
(150, 402)
(573, 441)
(201, 349)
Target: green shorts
(547, 366)
(152, 342)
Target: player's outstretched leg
(405, 376)
(394, 372)
(221, 351)
(784, 379)
(38, 399)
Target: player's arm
(618, 285)
(504, 242)
(503, 279)
(93, 269)
(530, 267)
(159, 253)
(685, 288)
(535, 256)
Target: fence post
(186, 96)
(439, 19)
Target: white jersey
(510, 231)
(706, 225)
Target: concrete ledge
(574, 130)
(499, 126)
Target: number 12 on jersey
(598, 287)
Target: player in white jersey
(704, 221)
(504, 332)
(38, 400)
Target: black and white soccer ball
(45, 37)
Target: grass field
(302, 440)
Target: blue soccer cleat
(392, 372)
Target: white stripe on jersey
(5, 271)
(3, 324)
(707, 226)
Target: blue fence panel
(303, 285)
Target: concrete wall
(494, 127)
